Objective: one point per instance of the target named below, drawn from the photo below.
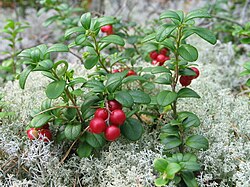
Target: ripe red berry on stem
(154, 62)
(196, 71)
(161, 58)
(45, 135)
(185, 80)
(32, 133)
(164, 51)
(97, 125)
(101, 113)
(153, 55)
(117, 117)
(107, 28)
(131, 72)
(112, 133)
(113, 105)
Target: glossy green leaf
(171, 142)
(115, 39)
(148, 38)
(114, 81)
(132, 129)
(73, 30)
(140, 96)
(247, 65)
(165, 98)
(190, 166)
(170, 130)
(72, 130)
(50, 20)
(95, 85)
(80, 39)
(172, 169)
(55, 89)
(200, 13)
(164, 31)
(159, 69)
(124, 98)
(189, 178)
(197, 142)
(187, 92)
(91, 61)
(106, 20)
(188, 52)
(95, 140)
(40, 120)
(89, 101)
(70, 113)
(160, 164)
(160, 181)
(133, 78)
(46, 104)
(164, 79)
(86, 20)
(188, 119)
(170, 14)
(189, 157)
(58, 48)
(24, 75)
(205, 34)
(84, 150)
(77, 80)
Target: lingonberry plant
(12, 30)
(180, 164)
(91, 110)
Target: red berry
(116, 71)
(185, 80)
(32, 133)
(113, 105)
(153, 55)
(110, 32)
(107, 28)
(45, 135)
(131, 72)
(97, 125)
(167, 58)
(154, 62)
(101, 113)
(161, 58)
(117, 117)
(112, 133)
(46, 126)
(164, 51)
(196, 71)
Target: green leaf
(133, 78)
(114, 81)
(55, 89)
(124, 98)
(160, 164)
(50, 20)
(132, 129)
(24, 75)
(187, 92)
(165, 98)
(188, 119)
(86, 20)
(159, 69)
(95, 140)
(170, 14)
(106, 20)
(44, 65)
(245, 40)
(170, 130)
(58, 48)
(84, 150)
(95, 85)
(40, 120)
(197, 142)
(248, 83)
(91, 61)
(188, 52)
(73, 30)
(148, 38)
(77, 80)
(190, 166)
(206, 34)
(171, 142)
(164, 31)
(89, 101)
(200, 13)
(187, 72)
(189, 157)
(172, 169)
(46, 104)
(247, 65)
(164, 79)
(70, 113)
(115, 39)
(189, 178)
(140, 96)
(160, 181)
(72, 131)
(80, 39)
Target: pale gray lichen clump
(225, 122)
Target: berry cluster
(42, 133)
(108, 29)
(186, 80)
(159, 58)
(108, 120)
(130, 72)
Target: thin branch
(77, 56)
